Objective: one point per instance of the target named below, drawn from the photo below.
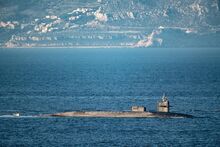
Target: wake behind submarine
(136, 112)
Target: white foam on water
(25, 116)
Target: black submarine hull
(121, 114)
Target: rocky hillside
(109, 23)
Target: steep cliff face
(121, 23)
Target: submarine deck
(121, 114)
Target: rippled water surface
(42, 81)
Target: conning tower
(163, 104)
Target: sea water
(38, 81)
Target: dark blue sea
(43, 81)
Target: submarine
(136, 112)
